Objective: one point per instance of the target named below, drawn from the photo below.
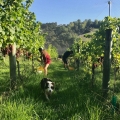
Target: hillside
(63, 36)
(83, 35)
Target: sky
(66, 11)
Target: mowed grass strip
(73, 98)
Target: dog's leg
(46, 96)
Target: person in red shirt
(45, 57)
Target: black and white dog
(47, 86)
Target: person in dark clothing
(65, 58)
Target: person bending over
(65, 58)
(46, 59)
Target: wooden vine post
(12, 60)
(107, 62)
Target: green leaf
(11, 38)
(1, 29)
(12, 30)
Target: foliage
(52, 51)
(97, 43)
(63, 36)
(95, 47)
(18, 25)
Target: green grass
(73, 98)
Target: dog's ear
(46, 79)
(46, 85)
(53, 83)
(49, 79)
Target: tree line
(63, 36)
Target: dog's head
(47, 85)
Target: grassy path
(73, 98)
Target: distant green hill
(63, 36)
(83, 35)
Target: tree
(52, 51)
(18, 27)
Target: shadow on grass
(4, 82)
(72, 93)
(72, 96)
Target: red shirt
(47, 59)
